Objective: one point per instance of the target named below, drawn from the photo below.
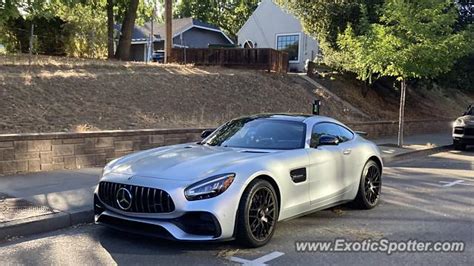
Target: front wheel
(257, 214)
(368, 195)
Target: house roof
(179, 26)
(141, 34)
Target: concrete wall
(268, 21)
(381, 129)
(54, 151)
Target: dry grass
(383, 104)
(64, 94)
(57, 94)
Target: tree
(125, 40)
(414, 39)
(110, 29)
(466, 12)
(230, 15)
(326, 19)
(85, 30)
(10, 15)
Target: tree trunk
(125, 41)
(110, 29)
(169, 30)
(401, 118)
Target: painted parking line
(453, 183)
(260, 261)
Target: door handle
(347, 152)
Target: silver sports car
(463, 129)
(240, 180)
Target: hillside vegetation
(60, 94)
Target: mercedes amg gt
(463, 129)
(240, 180)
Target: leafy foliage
(85, 31)
(326, 19)
(72, 27)
(466, 12)
(412, 40)
(230, 15)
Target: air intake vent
(253, 151)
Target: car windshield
(470, 111)
(259, 133)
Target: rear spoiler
(361, 133)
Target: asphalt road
(426, 199)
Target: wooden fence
(259, 58)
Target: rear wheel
(257, 214)
(458, 145)
(370, 186)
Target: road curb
(82, 216)
(44, 223)
(35, 225)
(414, 154)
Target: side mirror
(328, 140)
(206, 133)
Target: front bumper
(191, 226)
(203, 220)
(464, 134)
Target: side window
(345, 135)
(323, 129)
(330, 129)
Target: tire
(257, 214)
(369, 197)
(459, 146)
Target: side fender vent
(298, 175)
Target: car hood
(183, 162)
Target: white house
(270, 26)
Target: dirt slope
(382, 102)
(58, 94)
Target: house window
(289, 43)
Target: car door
(350, 172)
(325, 171)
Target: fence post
(270, 52)
(30, 52)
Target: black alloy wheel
(370, 186)
(257, 215)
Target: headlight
(459, 122)
(209, 187)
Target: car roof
(305, 118)
(282, 116)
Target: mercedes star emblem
(124, 199)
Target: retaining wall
(54, 151)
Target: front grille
(469, 131)
(144, 199)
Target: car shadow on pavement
(114, 242)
